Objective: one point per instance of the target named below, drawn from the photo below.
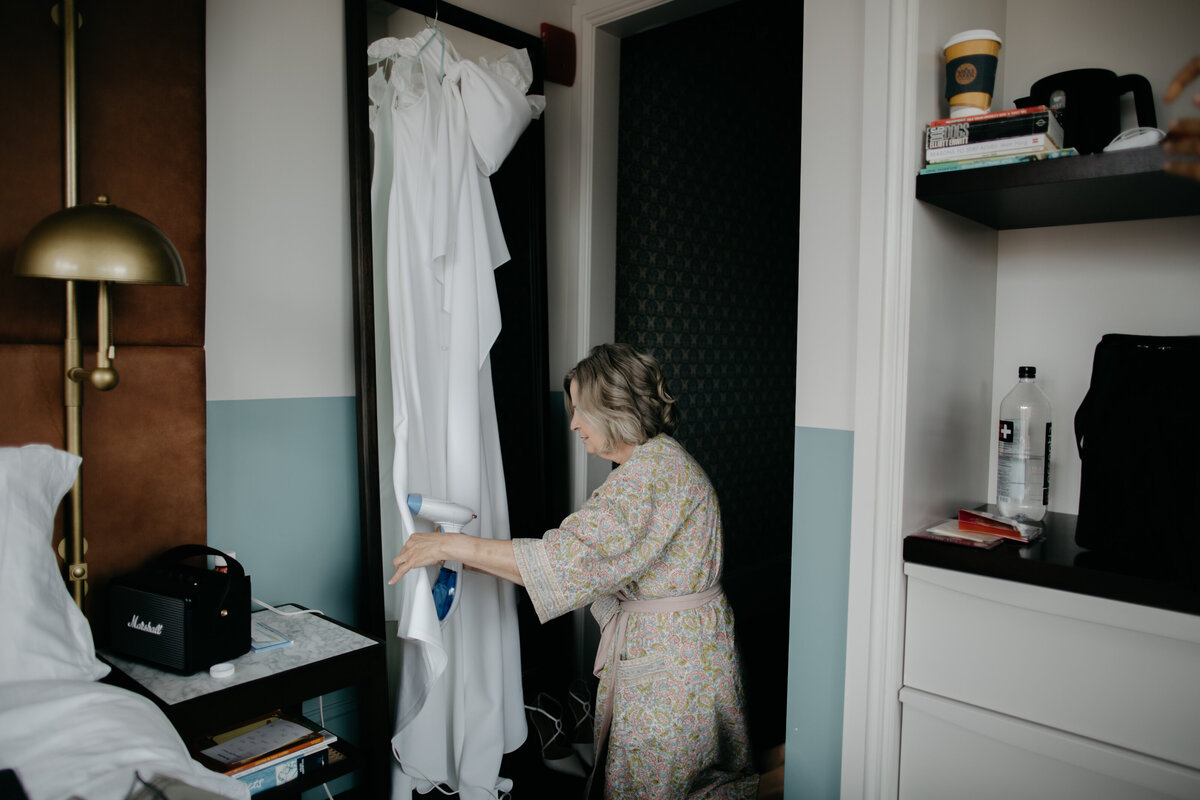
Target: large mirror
(705, 277)
(519, 363)
(535, 500)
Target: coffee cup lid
(966, 36)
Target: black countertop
(1147, 577)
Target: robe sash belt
(612, 644)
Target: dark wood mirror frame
(519, 356)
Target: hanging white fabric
(441, 126)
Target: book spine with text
(284, 772)
(969, 133)
(1012, 112)
(1034, 143)
(997, 161)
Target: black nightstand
(325, 656)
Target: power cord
(498, 794)
(270, 607)
(321, 714)
(320, 699)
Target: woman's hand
(1183, 135)
(422, 550)
(493, 556)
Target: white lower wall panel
(1110, 671)
(953, 750)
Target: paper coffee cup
(971, 60)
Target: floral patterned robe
(653, 529)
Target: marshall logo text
(146, 627)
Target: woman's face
(591, 438)
(592, 441)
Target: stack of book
(267, 751)
(986, 140)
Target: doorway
(707, 229)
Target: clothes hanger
(438, 34)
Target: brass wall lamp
(95, 242)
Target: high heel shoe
(557, 754)
(580, 702)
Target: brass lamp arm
(104, 376)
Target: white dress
(460, 703)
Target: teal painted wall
(817, 636)
(283, 494)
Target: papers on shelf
(949, 531)
(986, 522)
(258, 742)
(264, 637)
(981, 529)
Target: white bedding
(61, 732)
(70, 738)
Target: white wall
(830, 172)
(943, 287)
(278, 309)
(1041, 296)
(1058, 290)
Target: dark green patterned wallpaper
(707, 245)
(707, 239)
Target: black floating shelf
(1101, 187)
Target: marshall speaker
(180, 617)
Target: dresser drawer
(951, 750)
(1119, 673)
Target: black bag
(1139, 440)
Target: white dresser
(1018, 690)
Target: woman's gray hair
(622, 394)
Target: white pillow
(44, 634)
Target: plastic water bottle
(1023, 450)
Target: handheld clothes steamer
(449, 517)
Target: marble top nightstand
(314, 639)
(324, 656)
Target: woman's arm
(493, 556)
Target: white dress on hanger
(460, 702)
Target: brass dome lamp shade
(95, 242)
(99, 242)
(104, 243)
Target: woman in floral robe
(646, 551)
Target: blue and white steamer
(449, 517)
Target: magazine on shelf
(321, 745)
(258, 742)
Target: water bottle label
(1012, 461)
(1046, 470)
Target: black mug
(1087, 102)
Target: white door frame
(875, 620)
(875, 626)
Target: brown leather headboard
(141, 129)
